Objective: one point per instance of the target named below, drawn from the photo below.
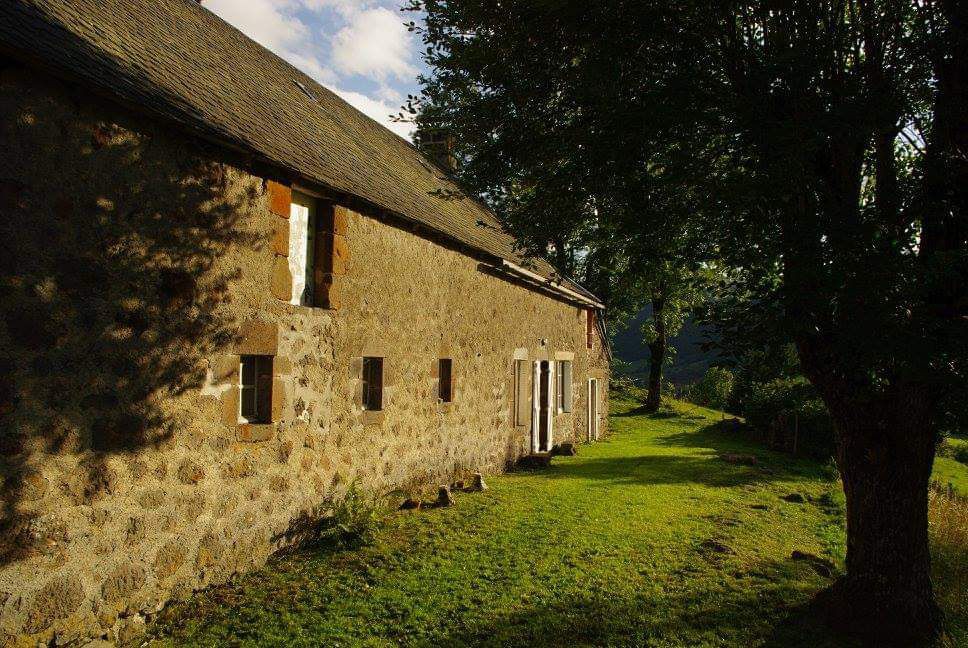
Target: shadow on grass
(704, 467)
(767, 605)
(661, 469)
(641, 411)
(772, 617)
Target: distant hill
(691, 361)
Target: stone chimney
(438, 145)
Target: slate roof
(178, 61)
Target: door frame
(591, 417)
(536, 406)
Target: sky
(359, 49)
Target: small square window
(255, 389)
(445, 374)
(372, 384)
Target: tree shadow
(723, 438)
(702, 467)
(767, 610)
(112, 294)
(653, 469)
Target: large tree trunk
(885, 452)
(657, 351)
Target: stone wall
(135, 266)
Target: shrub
(713, 389)
(623, 386)
(961, 454)
(954, 448)
(353, 520)
(789, 412)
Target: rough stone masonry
(137, 265)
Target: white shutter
(302, 248)
(552, 389)
(535, 400)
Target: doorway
(542, 414)
(592, 426)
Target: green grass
(644, 539)
(948, 469)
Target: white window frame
(592, 416)
(257, 360)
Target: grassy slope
(948, 470)
(605, 548)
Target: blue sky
(360, 49)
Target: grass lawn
(644, 539)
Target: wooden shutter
(453, 381)
(376, 383)
(567, 400)
(445, 380)
(522, 392)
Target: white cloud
(374, 44)
(345, 7)
(311, 66)
(272, 24)
(377, 110)
(264, 21)
(392, 95)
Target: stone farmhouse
(226, 296)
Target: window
(373, 384)
(522, 393)
(564, 386)
(445, 380)
(302, 248)
(590, 328)
(255, 389)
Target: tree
(827, 140)
(851, 159)
(538, 120)
(673, 293)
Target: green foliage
(624, 387)
(354, 518)
(786, 407)
(814, 150)
(714, 390)
(955, 447)
(549, 131)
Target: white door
(542, 406)
(592, 426)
